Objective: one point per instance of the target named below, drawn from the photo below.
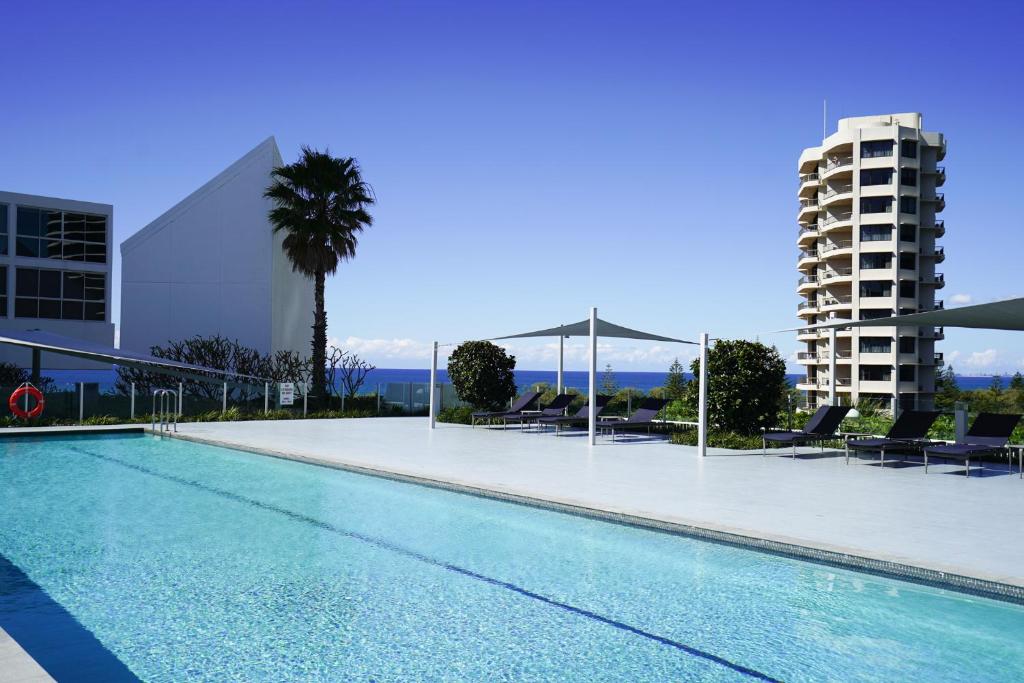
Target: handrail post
(305, 398)
(224, 400)
(133, 402)
(266, 397)
(181, 401)
(81, 402)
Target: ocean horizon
(525, 379)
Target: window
(876, 373)
(908, 149)
(908, 176)
(875, 344)
(875, 233)
(876, 261)
(59, 294)
(908, 233)
(908, 261)
(875, 313)
(908, 204)
(876, 176)
(875, 204)
(908, 289)
(875, 288)
(908, 345)
(907, 311)
(908, 373)
(3, 233)
(64, 235)
(3, 291)
(876, 148)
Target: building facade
(212, 265)
(55, 272)
(868, 229)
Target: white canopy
(996, 315)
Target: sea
(525, 379)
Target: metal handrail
(807, 177)
(808, 202)
(168, 411)
(838, 218)
(836, 272)
(832, 192)
(838, 163)
(832, 246)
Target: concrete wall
(101, 332)
(212, 265)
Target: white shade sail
(604, 329)
(996, 315)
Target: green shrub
(717, 439)
(482, 374)
(458, 415)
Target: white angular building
(212, 265)
(55, 266)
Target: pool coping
(827, 554)
(18, 665)
(15, 432)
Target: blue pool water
(130, 556)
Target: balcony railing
(931, 332)
(837, 162)
(832, 246)
(804, 305)
(835, 301)
(807, 178)
(936, 279)
(836, 272)
(808, 203)
(806, 355)
(836, 218)
(807, 230)
(939, 305)
(806, 254)
(807, 280)
(939, 360)
(940, 254)
(833, 191)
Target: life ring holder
(26, 389)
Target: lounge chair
(554, 409)
(582, 416)
(821, 427)
(524, 402)
(908, 432)
(642, 417)
(989, 433)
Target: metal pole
(433, 386)
(832, 366)
(960, 420)
(702, 397)
(81, 402)
(592, 400)
(305, 396)
(266, 397)
(561, 363)
(224, 400)
(133, 401)
(181, 400)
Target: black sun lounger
(908, 432)
(524, 402)
(554, 409)
(821, 427)
(989, 433)
(642, 417)
(582, 416)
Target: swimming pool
(127, 556)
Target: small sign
(287, 393)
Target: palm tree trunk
(320, 341)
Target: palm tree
(321, 205)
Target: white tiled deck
(939, 521)
(16, 666)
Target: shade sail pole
(592, 395)
(702, 408)
(433, 387)
(561, 363)
(832, 381)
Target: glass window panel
(908, 148)
(51, 225)
(74, 251)
(908, 345)
(875, 344)
(94, 290)
(875, 288)
(74, 226)
(908, 261)
(94, 311)
(3, 218)
(908, 204)
(875, 204)
(876, 176)
(26, 308)
(96, 229)
(27, 246)
(875, 261)
(49, 284)
(74, 286)
(50, 249)
(28, 221)
(876, 148)
(72, 310)
(908, 176)
(49, 308)
(27, 282)
(3, 306)
(3, 279)
(908, 373)
(908, 290)
(96, 253)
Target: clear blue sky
(532, 159)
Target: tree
(946, 390)
(746, 386)
(349, 368)
(609, 387)
(1017, 382)
(320, 203)
(482, 374)
(675, 382)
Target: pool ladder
(165, 410)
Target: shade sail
(997, 315)
(604, 329)
(80, 348)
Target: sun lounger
(821, 427)
(581, 418)
(642, 417)
(554, 409)
(908, 432)
(524, 402)
(989, 433)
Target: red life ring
(19, 411)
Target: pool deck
(16, 666)
(950, 526)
